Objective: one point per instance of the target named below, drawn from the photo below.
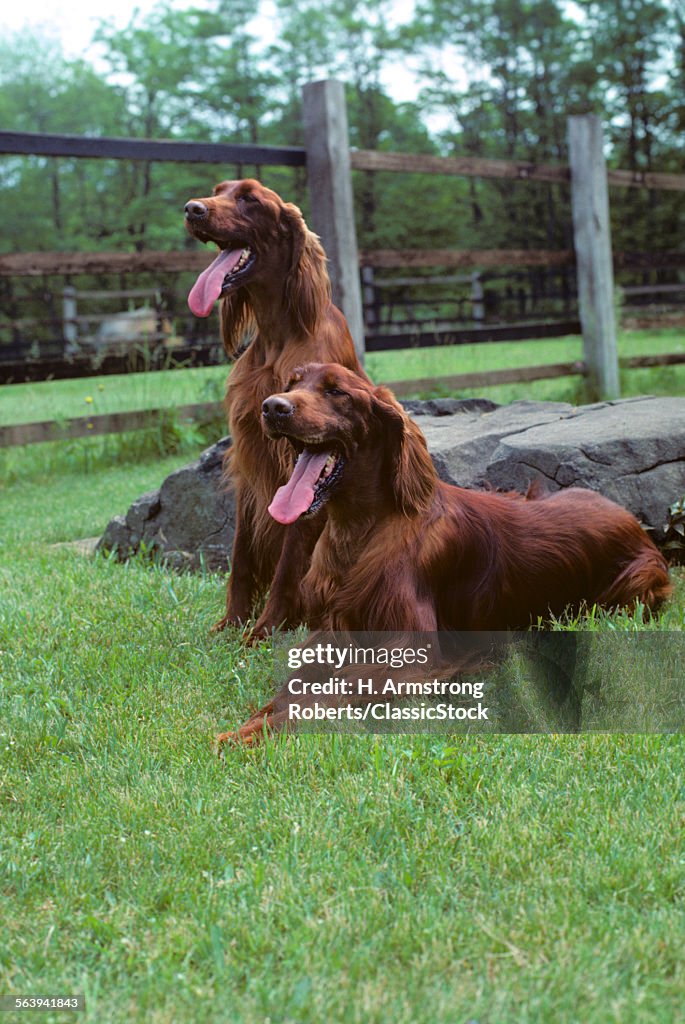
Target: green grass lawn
(354, 879)
(413, 364)
(26, 403)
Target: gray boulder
(462, 445)
(632, 451)
(190, 520)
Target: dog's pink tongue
(207, 288)
(295, 497)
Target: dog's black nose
(195, 208)
(277, 406)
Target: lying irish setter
(403, 551)
(271, 278)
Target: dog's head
(354, 442)
(261, 239)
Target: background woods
(453, 77)
(494, 79)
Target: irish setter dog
(270, 276)
(403, 551)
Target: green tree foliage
(511, 71)
(41, 91)
(354, 40)
(493, 78)
(631, 45)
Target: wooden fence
(107, 423)
(589, 180)
(121, 422)
(330, 164)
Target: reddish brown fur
(436, 556)
(403, 551)
(285, 312)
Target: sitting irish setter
(403, 551)
(271, 278)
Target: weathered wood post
(477, 299)
(369, 298)
(329, 181)
(69, 321)
(594, 266)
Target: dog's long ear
(308, 286)
(238, 324)
(414, 475)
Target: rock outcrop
(632, 451)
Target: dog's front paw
(250, 734)
(233, 739)
(227, 622)
(267, 626)
(253, 635)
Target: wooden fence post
(477, 297)
(369, 297)
(329, 181)
(594, 266)
(69, 321)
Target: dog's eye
(333, 391)
(247, 197)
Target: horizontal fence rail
(407, 258)
(121, 422)
(521, 170)
(82, 366)
(387, 339)
(486, 378)
(108, 423)
(159, 150)
(173, 151)
(36, 264)
(489, 378)
(465, 166)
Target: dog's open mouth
(228, 271)
(315, 475)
